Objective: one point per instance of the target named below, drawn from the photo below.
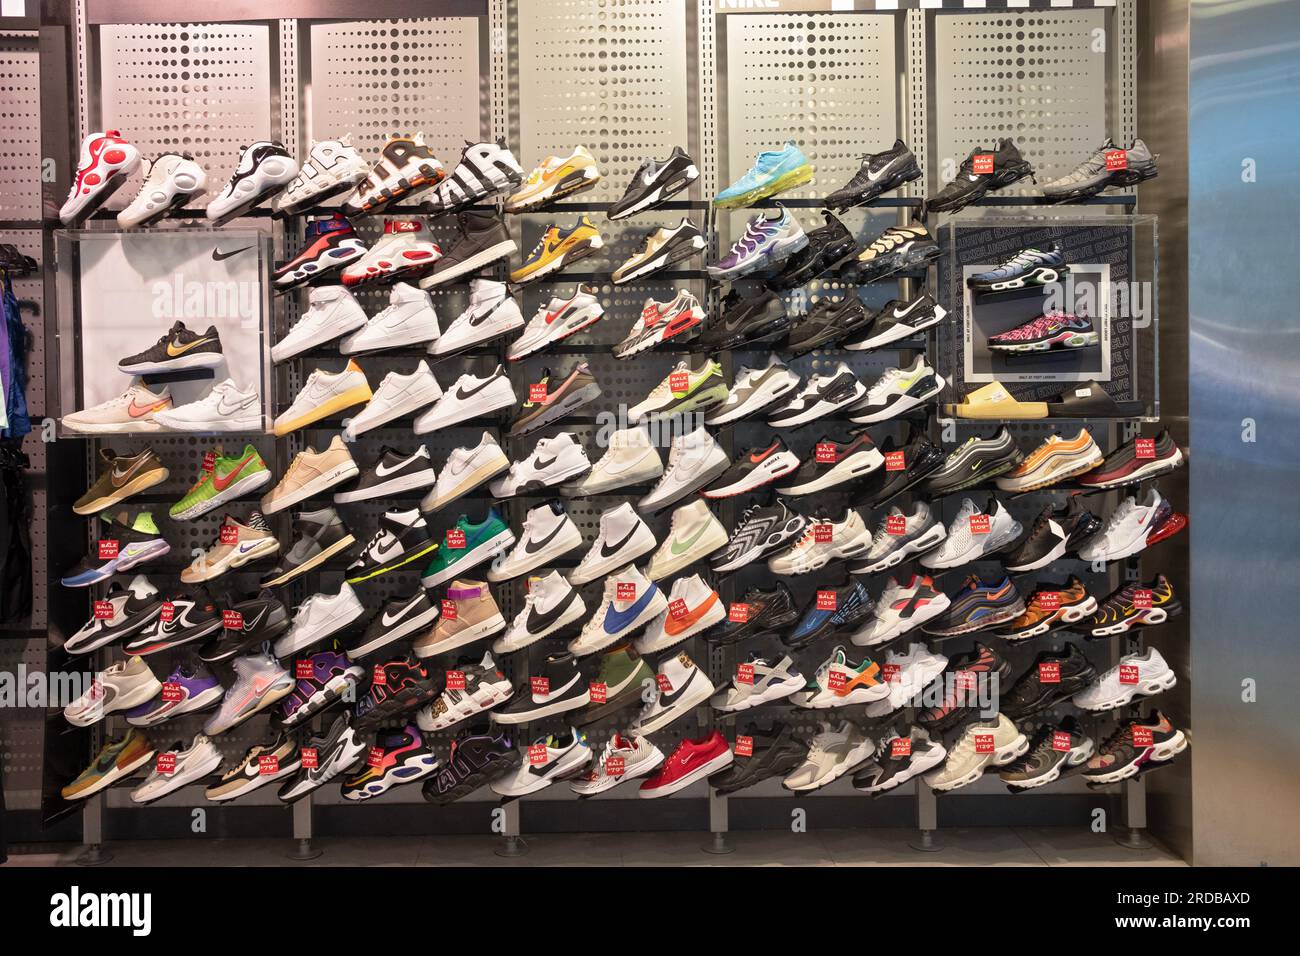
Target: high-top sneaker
(621, 679)
(694, 460)
(329, 243)
(483, 239)
(402, 538)
(559, 686)
(321, 535)
(550, 605)
(105, 162)
(405, 165)
(332, 313)
(469, 614)
(491, 313)
(171, 180)
(264, 168)
(484, 170)
(548, 533)
(630, 459)
(680, 685)
(470, 688)
(629, 602)
(408, 320)
(397, 687)
(323, 680)
(693, 534)
(401, 253)
(623, 537)
(332, 167)
(693, 607)
(259, 683)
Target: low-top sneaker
(1140, 674)
(554, 460)
(762, 612)
(761, 530)
(1051, 607)
(754, 391)
(973, 534)
(464, 470)
(492, 312)
(1135, 604)
(624, 758)
(1051, 677)
(902, 607)
(832, 463)
(976, 606)
(759, 681)
(470, 397)
(824, 539)
(760, 466)
(835, 750)
(899, 537)
(557, 319)
(682, 391)
(828, 321)
(820, 396)
(996, 742)
(831, 612)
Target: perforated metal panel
(20, 150)
(375, 78)
(185, 88)
(21, 730)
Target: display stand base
(304, 850)
(719, 846)
(925, 842)
(94, 855)
(1133, 839)
(511, 847)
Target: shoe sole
(479, 260)
(796, 177)
(316, 561)
(472, 558)
(136, 485)
(354, 396)
(181, 363)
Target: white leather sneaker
(397, 395)
(694, 460)
(332, 313)
(558, 319)
(465, 470)
(171, 180)
(470, 397)
(226, 408)
(409, 319)
(693, 535)
(550, 605)
(630, 459)
(623, 537)
(491, 313)
(548, 533)
(322, 395)
(554, 459)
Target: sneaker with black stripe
(484, 170)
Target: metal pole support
(511, 846)
(303, 849)
(92, 833)
(1133, 834)
(927, 820)
(718, 845)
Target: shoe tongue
(178, 326)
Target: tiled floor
(997, 846)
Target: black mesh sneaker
(178, 350)
(759, 753)
(246, 625)
(762, 530)
(1137, 745)
(654, 183)
(477, 757)
(1054, 533)
(975, 461)
(321, 535)
(397, 687)
(1053, 676)
(828, 321)
(187, 616)
(898, 759)
(1055, 751)
(762, 612)
(483, 239)
(832, 463)
(745, 320)
(391, 473)
(846, 611)
(967, 678)
(896, 321)
(978, 176)
(828, 245)
(905, 467)
(878, 174)
(897, 249)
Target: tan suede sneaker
(311, 473)
(469, 613)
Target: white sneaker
(899, 537)
(135, 410)
(901, 608)
(624, 758)
(550, 758)
(628, 602)
(558, 319)
(847, 537)
(550, 605)
(693, 607)
(693, 534)
(1142, 674)
(402, 252)
(187, 766)
(694, 460)
(1126, 529)
(121, 686)
(553, 460)
(470, 397)
(821, 395)
(264, 168)
(484, 170)
(897, 391)
(839, 682)
(973, 534)
(907, 674)
(464, 470)
(409, 319)
(491, 313)
(835, 750)
(623, 537)
(997, 742)
(318, 617)
(333, 166)
(226, 408)
(104, 163)
(171, 180)
(324, 394)
(332, 313)
(630, 459)
(548, 533)
(397, 395)
(754, 390)
(679, 686)
(759, 681)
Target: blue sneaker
(775, 171)
(847, 611)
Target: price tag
(103, 610)
(965, 680)
(1128, 673)
(825, 600)
(895, 460)
(268, 764)
(836, 679)
(892, 673)
(979, 524)
(664, 684)
(540, 686)
(599, 692)
(1049, 600)
(302, 669)
(677, 609)
(456, 539)
(537, 393)
(1142, 736)
(679, 381)
(822, 533)
(375, 758)
(745, 674)
(1117, 159)
(449, 609)
(232, 620)
(209, 461)
(455, 680)
(1144, 448)
(615, 766)
(167, 612)
(984, 743)
(229, 534)
(744, 747)
(982, 164)
(738, 613)
(1049, 672)
(1142, 599)
(900, 747)
(536, 754)
(896, 525)
(378, 676)
(107, 549)
(309, 758)
(1060, 741)
(172, 693)
(166, 764)
(626, 591)
(824, 454)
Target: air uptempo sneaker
(470, 614)
(976, 606)
(548, 759)
(1109, 165)
(558, 248)
(761, 530)
(676, 320)
(682, 391)
(693, 607)
(759, 466)
(550, 605)
(1142, 674)
(755, 390)
(223, 478)
(878, 174)
(901, 608)
(759, 681)
(554, 459)
(492, 312)
(471, 397)
(330, 243)
(1136, 745)
(553, 179)
(1136, 605)
(405, 166)
(835, 750)
(324, 395)
(629, 602)
(171, 180)
(409, 319)
(124, 543)
(556, 320)
(468, 689)
(766, 243)
(401, 254)
(898, 759)
(120, 686)
(774, 171)
(132, 411)
(1007, 165)
(120, 477)
(824, 539)
(225, 408)
(1028, 267)
(332, 167)
(660, 249)
(485, 169)
(630, 459)
(323, 680)
(264, 168)
(105, 162)
(679, 686)
(839, 682)
(693, 534)
(693, 760)
(331, 314)
(654, 182)
(1055, 460)
(622, 538)
(973, 534)
(310, 474)
(995, 742)
(547, 535)
(562, 397)
(624, 758)
(1136, 460)
(397, 396)
(898, 249)
(123, 612)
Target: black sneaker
(399, 618)
(178, 350)
(392, 473)
(402, 538)
(654, 182)
(961, 682)
(324, 757)
(905, 467)
(561, 686)
(767, 611)
(1053, 676)
(745, 320)
(1008, 167)
(896, 321)
(247, 624)
(762, 529)
(133, 608)
(1055, 751)
(321, 681)
(483, 240)
(878, 174)
(320, 536)
(832, 463)
(397, 687)
(775, 753)
(897, 249)
(190, 615)
(755, 468)
(975, 461)
(477, 758)
(898, 759)
(828, 321)
(1054, 533)
(827, 246)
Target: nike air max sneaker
(977, 606)
(973, 534)
(878, 174)
(766, 243)
(822, 395)
(1050, 607)
(774, 171)
(661, 323)
(1055, 750)
(825, 538)
(492, 312)
(330, 243)
(974, 462)
(1136, 604)
(683, 390)
(833, 463)
(1028, 267)
(1055, 460)
(897, 392)
(1130, 528)
(761, 531)
(402, 254)
(1109, 165)
(996, 742)
(553, 179)
(899, 537)
(1051, 677)
(660, 249)
(332, 167)
(264, 169)
(981, 172)
(171, 181)
(1052, 331)
(654, 182)
(405, 166)
(559, 248)
(828, 321)
(745, 320)
(551, 399)
(827, 246)
(557, 320)
(1142, 674)
(755, 391)
(760, 466)
(1136, 460)
(105, 162)
(485, 170)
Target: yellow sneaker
(557, 249)
(555, 178)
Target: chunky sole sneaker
(1039, 275)
(1145, 687)
(1160, 753)
(1119, 178)
(580, 250)
(774, 468)
(767, 258)
(998, 758)
(577, 180)
(796, 177)
(557, 410)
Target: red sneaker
(692, 760)
(1174, 523)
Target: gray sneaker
(1095, 173)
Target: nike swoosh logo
(606, 551)
(679, 546)
(218, 255)
(463, 394)
(121, 476)
(547, 463)
(390, 621)
(383, 471)
(221, 483)
(135, 411)
(874, 177)
(908, 311)
(249, 625)
(175, 350)
(532, 547)
(540, 621)
(667, 700)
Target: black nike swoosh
(538, 622)
(259, 154)
(532, 547)
(545, 464)
(667, 700)
(606, 551)
(462, 394)
(218, 255)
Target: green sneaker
(466, 545)
(684, 390)
(623, 672)
(223, 479)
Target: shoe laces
(887, 379)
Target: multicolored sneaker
(399, 757)
(1050, 331)
(840, 682)
(1136, 604)
(223, 478)
(124, 542)
(774, 171)
(397, 687)
(976, 606)
(469, 689)
(259, 682)
(187, 689)
(1137, 745)
(323, 679)
(118, 759)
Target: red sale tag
(1144, 448)
(896, 524)
(679, 381)
(664, 684)
(209, 461)
(900, 747)
(378, 676)
(232, 620)
(455, 680)
(166, 764)
(1142, 736)
(540, 686)
(822, 533)
(825, 600)
(375, 758)
(1142, 599)
(677, 609)
(310, 760)
(1049, 600)
(268, 764)
(302, 669)
(615, 766)
(455, 539)
(982, 164)
(979, 524)
(984, 743)
(836, 679)
(537, 393)
(745, 674)
(172, 693)
(964, 680)
(892, 673)
(229, 534)
(626, 591)
(744, 747)
(1117, 159)
(107, 549)
(599, 692)
(1049, 672)
(895, 460)
(1060, 741)
(103, 610)
(536, 754)
(167, 612)
(449, 609)
(738, 613)
(1128, 673)
(825, 453)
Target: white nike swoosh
(911, 308)
(874, 177)
(381, 471)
